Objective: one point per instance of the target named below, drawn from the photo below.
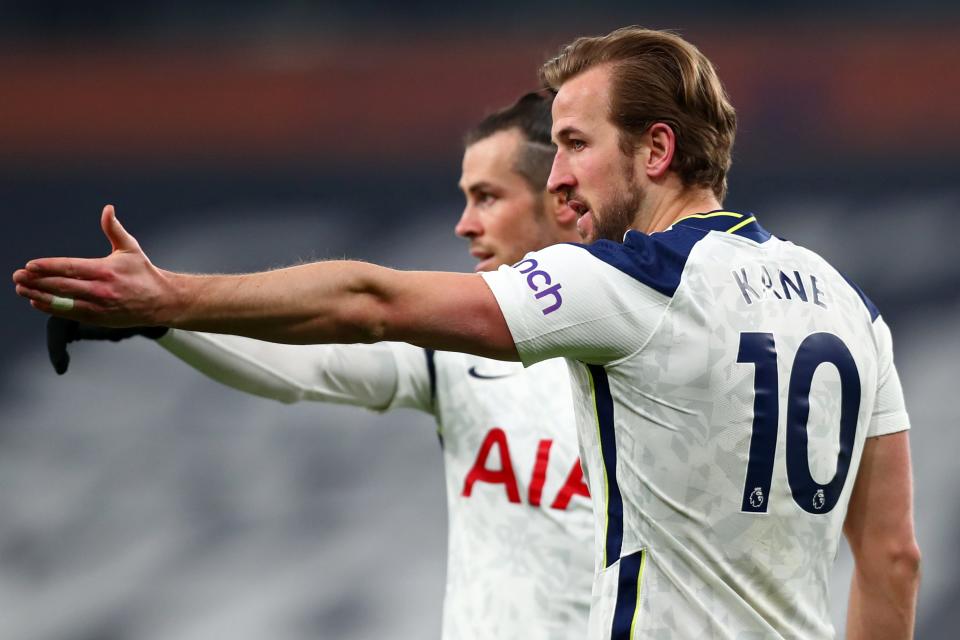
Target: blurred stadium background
(141, 501)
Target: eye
(577, 145)
(485, 199)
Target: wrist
(172, 311)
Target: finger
(82, 310)
(73, 288)
(47, 300)
(81, 268)
(35, 295)
(119, 238)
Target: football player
(736, 396)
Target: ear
(661, 143)
(556, 204)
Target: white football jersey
(520, 535)
(726, 381)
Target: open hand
(122, 289)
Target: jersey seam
(663, 314)
(653, 332)
(580, 324)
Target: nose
(469, 224)
(561, 178)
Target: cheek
(601, 166)
(511, 228)
(588, 171)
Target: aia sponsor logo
(541, 283)
(506, 476)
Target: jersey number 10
(819, 348)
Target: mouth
(485, 259)
(578, 207)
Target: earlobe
(564, 215)
(663, 144)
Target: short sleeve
(571, 301)
(890, 411)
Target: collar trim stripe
(740, 225)
(713, 214)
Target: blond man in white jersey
(736, 396)
(520, 534)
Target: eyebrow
(566, 132)
(483, 185)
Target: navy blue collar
(740, 224)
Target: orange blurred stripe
(412, 101)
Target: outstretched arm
(337, 301)
(375, 376)
(879, 528)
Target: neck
(666, 208)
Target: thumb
(119, 239)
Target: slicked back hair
(530, 115)
(657, 76)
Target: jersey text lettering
(505, 475)
(785, 285)
(541, 283)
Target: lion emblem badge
(819, 500)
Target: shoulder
(867, 302)
(852, 287)
(656, 260)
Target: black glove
(61, 332)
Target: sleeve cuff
(505, 294)
(884, 425)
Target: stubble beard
(612, 220)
